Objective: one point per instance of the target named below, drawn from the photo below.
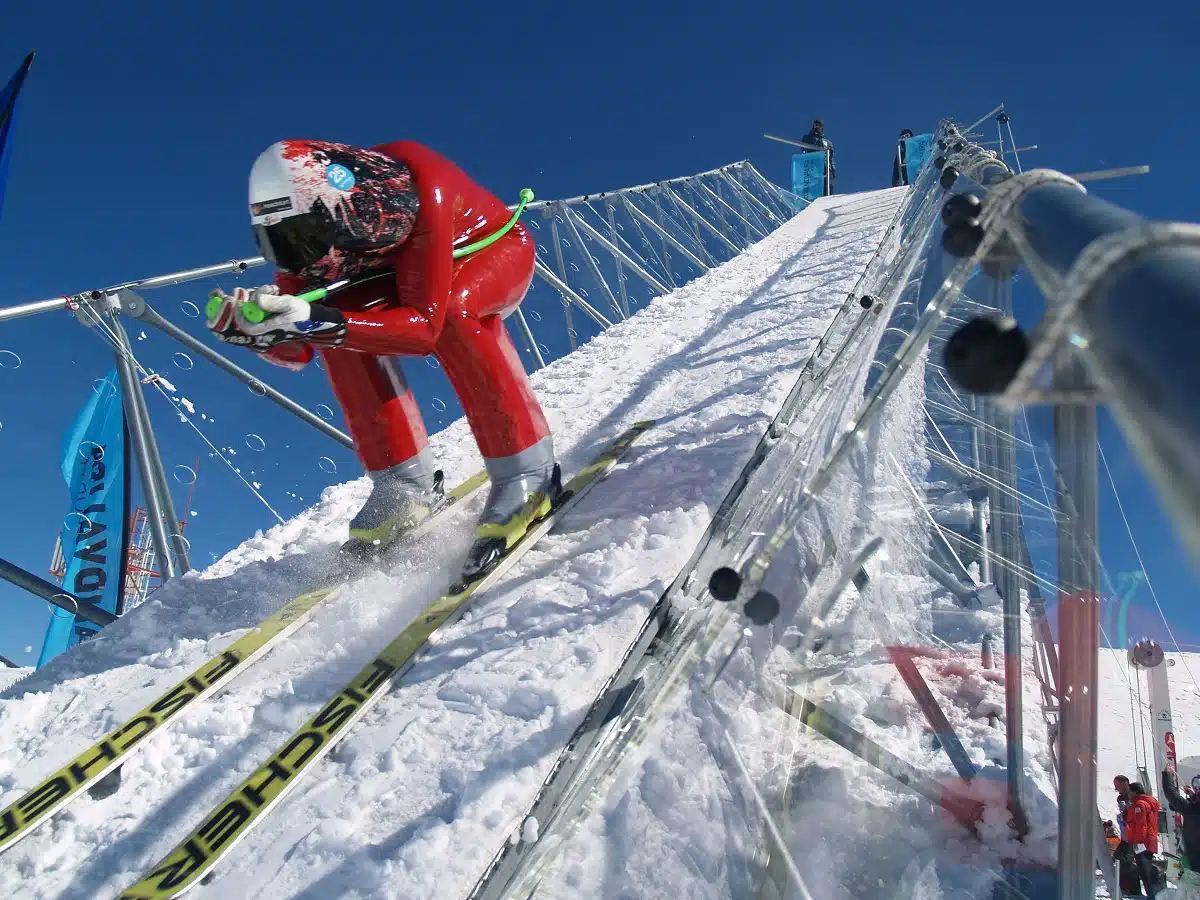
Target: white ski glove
(288, 319)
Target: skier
(388, 220)
(1189, 809)
(816, 139)
(899, 169)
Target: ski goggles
(295, 243)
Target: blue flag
(808, 175)
(8, 110)
(95, 466)
(916, 149)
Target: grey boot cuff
(535, 459)
(418, 471)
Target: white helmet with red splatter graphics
(326, 211)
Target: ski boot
(402, 497)
(525, 488)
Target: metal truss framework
(946, 259)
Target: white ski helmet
(327, 211)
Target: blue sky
(140, 121)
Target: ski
(85, 770)
(238, 814)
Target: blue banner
(8, 111)
(95, 466)
(808, 175)
(916, 149)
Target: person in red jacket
(388, 220)
(1141, 836)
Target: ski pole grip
(256, 314)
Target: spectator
(1189, 809)
(1127, 875)
(817, 140)
(899, 169)
(1110, 835)
(1141, 837)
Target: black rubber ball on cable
(963, 237)
(1003, 118)
(724, 584)
(984, 355)
(939, 162)
(949, 176)
(762, 608)
(960, 207)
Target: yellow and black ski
(238, 814)
(37, 806)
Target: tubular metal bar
(1006, 520)
(1078, 569)
(234, 265)
(570, 218)
(719, 215)
(1129, 305)
(32, 309)
(142, 311)
(161, 510)
(980, 120)
(685, 220)
(658, 214)
(527, 333)
(573, 217)
(703, 221)
(584, 198)
(979, 504)
(616, 239)
(743, 194)
(775, 193)
(753, 232)
(563, 288)
(562, 271)
(1105, 174)
(666, 235)
(52, 593)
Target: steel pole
(164, 527)
(32, 309)
(139, 309)
(752, 233)
(743, 194)
(52, 593)
(703, 221)
(572, 218)
(565, 289)
(666, 236)
(612, 230)
(1076, 461)
(527, 333)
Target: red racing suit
(436, 305)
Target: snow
(431, 783)
(10, 675)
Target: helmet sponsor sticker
(279, 204)
(339, 176)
